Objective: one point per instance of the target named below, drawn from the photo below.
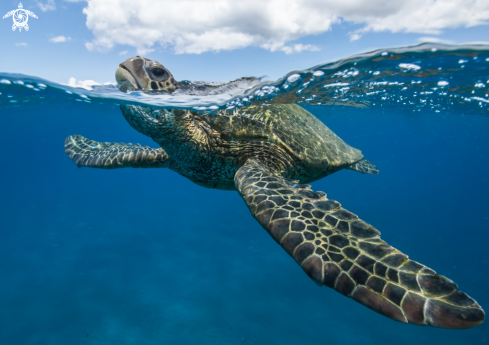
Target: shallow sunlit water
(144, 256)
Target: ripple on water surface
(437, 77)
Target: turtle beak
(125, 80)
(132, 74)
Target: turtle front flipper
(88, 153)
(338, 250)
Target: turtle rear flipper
(89, 153)
(364, 166)
(338, 250)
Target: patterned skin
(266, 153)
(89, 153)
(338, 250)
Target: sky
(220, 40)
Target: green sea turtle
(267, 153)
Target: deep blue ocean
(146, 257)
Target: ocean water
(144, 256)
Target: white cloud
(422, 16)
(21, 44)
(297, 48)
(85, 84)
(60, 39)
(124, 52)
(355, 36)
(48, 6)
(197, 26)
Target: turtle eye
(158, 72)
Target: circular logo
(20, 17)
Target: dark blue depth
(141, 256)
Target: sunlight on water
(436, 77)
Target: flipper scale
(88, 153)
(337, 249)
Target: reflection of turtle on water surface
(20, 17)
(266, 153)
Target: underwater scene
(146, 257)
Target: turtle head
(139, 73)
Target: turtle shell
(294, 129)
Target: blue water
(135, 256)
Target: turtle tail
(364, 166)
